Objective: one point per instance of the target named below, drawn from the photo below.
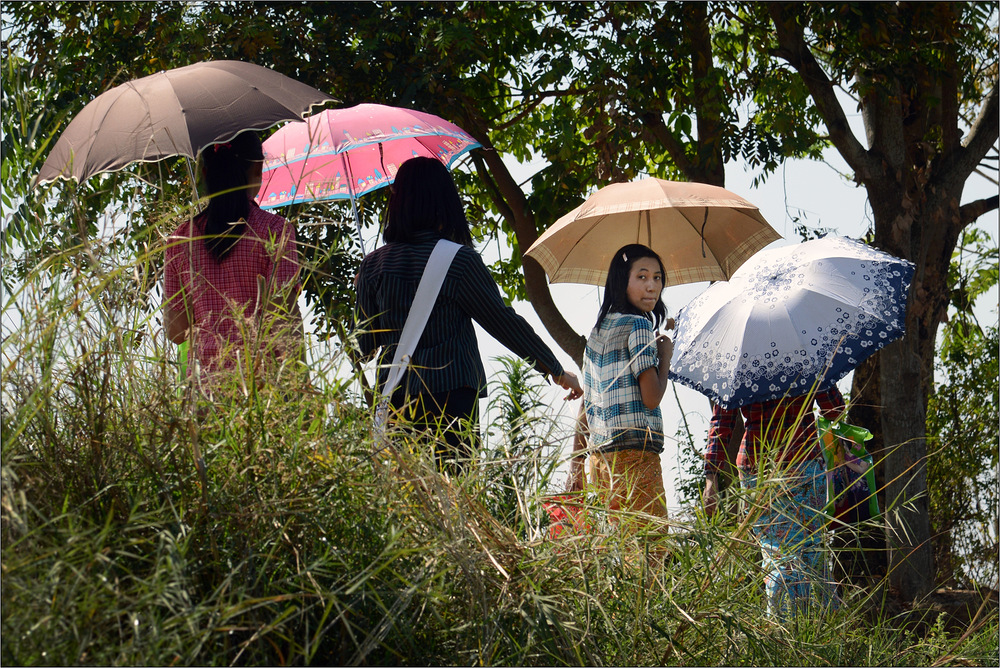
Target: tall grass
(140, 528)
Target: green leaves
(974, 270)
(570, 84)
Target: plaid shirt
(447, 355)
(617, 353)
(787, 423)
(222, 297)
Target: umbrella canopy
(701, 232)
(173, 113)
(789, 319)
(346, 153)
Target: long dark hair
(226, 167)
(424, 199)
(616, 287)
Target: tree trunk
(914, 188)
(926, 233)
(911, 567)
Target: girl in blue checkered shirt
(625, 368)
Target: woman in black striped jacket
(445, 378)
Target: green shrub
(142, 526)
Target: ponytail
(226, 167)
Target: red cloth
(772, 422)
(220, 294)
(566, 513)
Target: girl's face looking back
(645, 283)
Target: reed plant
(143, 525)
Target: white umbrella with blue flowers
(790, 319)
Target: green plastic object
(845, 496)
(182, 360)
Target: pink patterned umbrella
(345, 153)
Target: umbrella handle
(357, 223)
(703, 223)
(354, 206)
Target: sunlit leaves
(962, 463)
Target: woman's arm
(363, 323)
(719, 431)
(577, 477)
(480, 298)
(175, 322)
(280, 286)
(568, 381)
(296, 329)
(710, 497)
(831, 404)
(653, 381)
(175, 317)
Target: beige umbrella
(701, 232)
(175, 112)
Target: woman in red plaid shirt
(230, 266)
(781, 462)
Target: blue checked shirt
(617, 353)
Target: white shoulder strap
(423, 301)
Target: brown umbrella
(701, 232)
(173, 113)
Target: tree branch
(982, 137)
(882, 112)
(708, 97)
(513, 205)
(973, 210)
(795, 51)
(528, 106)
(950, 111)
(654, 123)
